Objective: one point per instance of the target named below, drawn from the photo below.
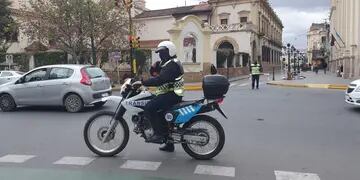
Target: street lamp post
(293, 49)
(289, 70)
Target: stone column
(31, 62)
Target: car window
(60, 73)
(37, 75)
(95, 72)
(6, 74)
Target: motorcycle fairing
(184, 114)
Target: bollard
(273, 73)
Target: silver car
(7, 76)
(71, 86)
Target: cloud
(298, 21)
(302, 4)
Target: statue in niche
(189, 44)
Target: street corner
(283, 84)
(313, 86)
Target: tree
(7, 24)
(75, 26)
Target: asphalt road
(271, 133)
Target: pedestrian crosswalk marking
(13, 158)
(215, 170)
(285, 175)
(79, 161)
(141, 165)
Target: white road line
(13, 158)
(215, 170)
(285, 175)
(233, 84)
(141, 165)
(243, 85)
(79, 161)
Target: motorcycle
(201, 136)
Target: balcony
(230, 27)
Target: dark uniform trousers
(160, 102)
(255, 78)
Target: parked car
(71, 86)
(352, 95)
(7, 76)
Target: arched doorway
(225, 55)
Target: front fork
(119, 113)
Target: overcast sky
(296, 15)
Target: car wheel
(99, 104)
(7, 103)
(73, 103)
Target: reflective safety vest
(177, 86)
(255, 69)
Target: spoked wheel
(98, 127)
(7, 103)
(214, 134)
(73, 103)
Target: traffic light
(128, 4)
(134, 41)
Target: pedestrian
(316, 68)
(325, 67)
(255, 71)
(342, 70)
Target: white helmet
(168, 45)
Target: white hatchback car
(352, 95)
(7, 76)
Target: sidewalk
(196, 86)
(312, 80)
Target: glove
(155, 69)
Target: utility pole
(128, 5)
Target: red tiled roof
(149, 44)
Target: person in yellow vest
(255, 71)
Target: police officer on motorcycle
(169, 85)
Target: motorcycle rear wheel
(199, 151)
(91, 135)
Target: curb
(314, 86)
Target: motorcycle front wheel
(215, 134)
(97, 127)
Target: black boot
(157, 139)
(168, 147)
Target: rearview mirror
(213, 70)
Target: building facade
(238, 33)
(345, 31)
(318, 44)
